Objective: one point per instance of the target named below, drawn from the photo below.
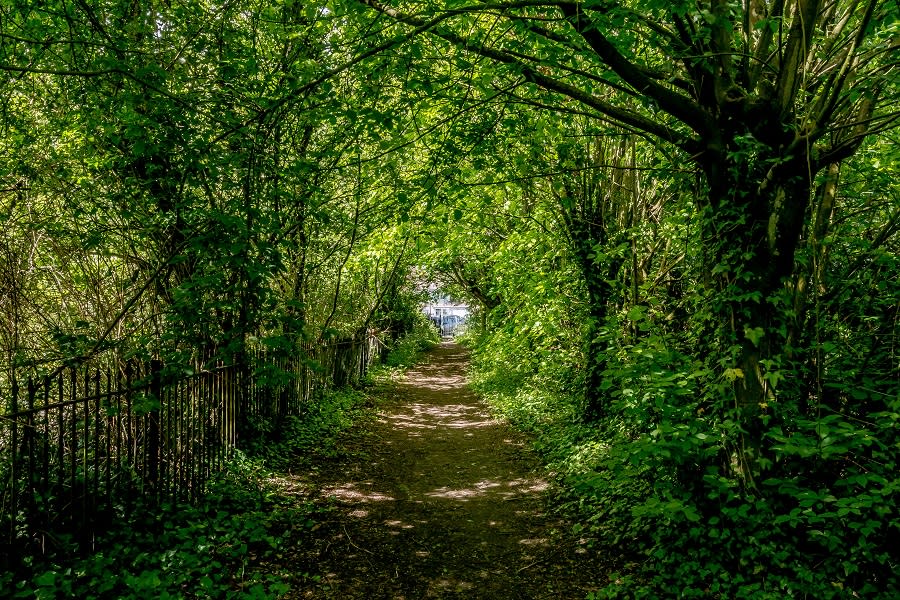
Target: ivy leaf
(636, 313)
(754, 335)
(732, 374)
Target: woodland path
(437, 499)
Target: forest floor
(434, 498)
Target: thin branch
(125, 309)
(337, 288)
(837, 84)
(387, 284)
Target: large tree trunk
(752, 240)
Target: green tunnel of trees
(677, 223)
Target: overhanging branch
(545, 81)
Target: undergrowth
(313, 434)
(648, 485)
(231, 543)
(406, 351)
(222, 547)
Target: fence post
(28, 436)
(153, 425)
(13, 459)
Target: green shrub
(313, 434)
(656, 480)
(819, 522)
(405, 351)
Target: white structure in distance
(448, 316)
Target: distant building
(449, 317)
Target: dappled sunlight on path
(441, 501)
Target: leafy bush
(406, 350)
(655, 479)
(314, 433)
(818, 523)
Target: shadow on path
(441, 501)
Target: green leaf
(754, 335)
(48, 579)
(636, 313)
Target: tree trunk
(752, 239)
(599, 293)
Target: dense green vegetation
(217, 549)
(678, 224)
(222, 547)
(236, 541)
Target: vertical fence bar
(85, 451)
(200, 391)
(200, 410)
(95, 476)
(180, 456)
(194, 398)
(186, 405)
(186, 436)
(140, 436)
(224, 417)
(176, 400)
(220, 425)
(152, 443)
(212, 414)
(60, 447)
(28, 435)
(215, 417)
(162, 460)
(107, 418)
(205, 411)
(48, 510)
(196, 401)
(73, 445)
(130, 453)
(216, 459)
(168, 463)
(13, 451)
(239, 385)
(119, 437)
(208, 412)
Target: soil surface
(437, 499)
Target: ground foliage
(218, 548)
(231, 544)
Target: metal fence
(80, 447)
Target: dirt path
(439, 500)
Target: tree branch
(680, 107)
(620, 115)
(799, 42)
